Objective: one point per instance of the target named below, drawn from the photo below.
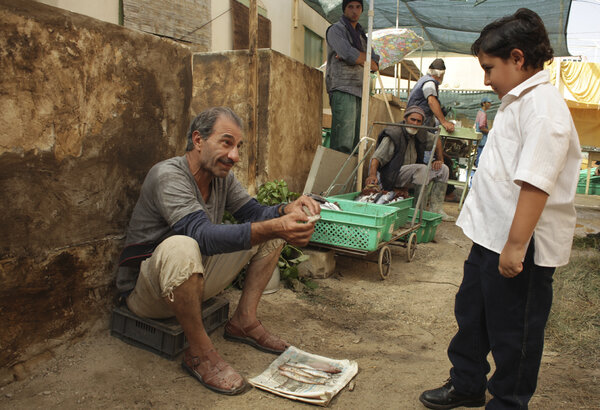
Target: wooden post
(364, 113)
(399, 83)
(252, 137)
(387, 103)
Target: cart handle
(333, 183)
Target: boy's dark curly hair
(523, 30)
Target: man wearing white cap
(425, 95)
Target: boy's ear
(517, 57)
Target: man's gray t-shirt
(170, 193)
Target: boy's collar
(538, 78)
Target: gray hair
(205, 122)
(436, 73)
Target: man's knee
(443, 174)
(175, 260)
(179, 247)
(420, 174)
(267, 248)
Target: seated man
(178, 254)
(399, 159)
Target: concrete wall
(87, 108)
(286, 37)
(289, 111)
(105, 10)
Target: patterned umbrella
(393, 44)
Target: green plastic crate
(372, 210)
(429, 225)
(326, 137)
(594, 183)
(402, 206)
(357, 226)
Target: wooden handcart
(404, 235)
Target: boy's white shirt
(533, 140)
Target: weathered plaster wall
(87, 108)
(294, 118)
(289, 109)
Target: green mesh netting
(453, 25)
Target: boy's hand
(529, 208)
(510, 264)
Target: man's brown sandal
(220, 378)
(253, 336)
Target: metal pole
(364, 111)
(396, 75)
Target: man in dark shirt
(346, 55)
(178, 253)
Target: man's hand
(295, 228)
(437, 164)
(362, 57)
(511, 260)
(448, 126)
(403, 192)
(371, 180)
(303, 201)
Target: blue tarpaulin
(453, 25)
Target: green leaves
(275, 192)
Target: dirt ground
(397, 330)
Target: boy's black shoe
(446, 397)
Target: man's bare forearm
(265, 230)
(435, 106)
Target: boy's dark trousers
(506, 316)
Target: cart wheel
(385, 261)
(411, 246)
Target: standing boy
(520, 215)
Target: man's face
(413, 119)
(220, 151)
(487, 105)
(353, 11)
(439, 78)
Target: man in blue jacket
(425, 95)
(346, 55)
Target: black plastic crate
(164, 337)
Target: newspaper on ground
(303, 376)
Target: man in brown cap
(425, 95)
(398, 161)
